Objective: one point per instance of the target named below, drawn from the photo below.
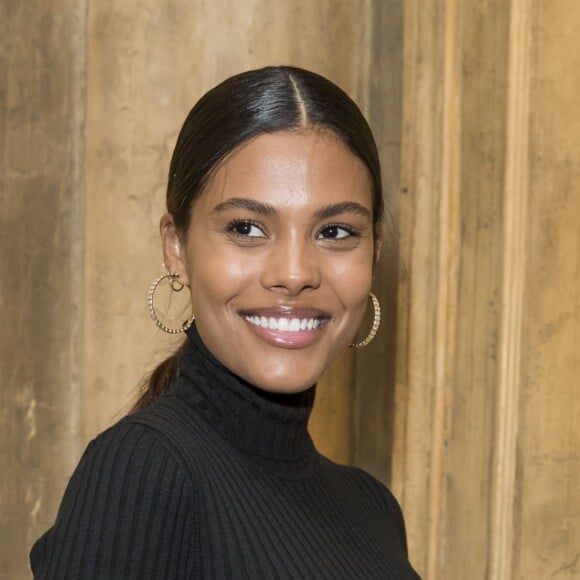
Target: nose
(292, 266)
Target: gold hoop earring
(375, 327)
(150, 306)
(172, 280)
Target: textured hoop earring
(375, 327)
(150, 306)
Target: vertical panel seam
(447, 283)
(363, 88)
(513, 279)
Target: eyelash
(351, 231)
(231, 227)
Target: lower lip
(299, 339)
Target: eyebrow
(335, 209)
(247, 204)
(264, 209)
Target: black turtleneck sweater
(220, 480)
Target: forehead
(291, 170)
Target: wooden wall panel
(429, 227)
(486, 406)
(479, 250)
(41, 233)
(547, 511)
(374, 366)
(467, 402)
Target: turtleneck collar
(270, 426)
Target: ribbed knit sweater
(220, 480)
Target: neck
(270, 426)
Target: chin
(285, 383)
(287, 390)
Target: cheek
(217, 277)
(352, 279)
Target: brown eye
(246, 228)
(335, 232)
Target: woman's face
(279, 257)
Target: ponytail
(158, 382)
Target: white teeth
(284, 324)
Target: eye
(336, 232)
(245, 228)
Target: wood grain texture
(466, 402)
(470, 446)
(514, 210)
(374, 366)
(41, 233)
(426, 212)
(486, 438)
(547, 509)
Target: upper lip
(286, 311)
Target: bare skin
(279, 257)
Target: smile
(284, 324)
(290, 327)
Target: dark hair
(242, 107)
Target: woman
(274, 227)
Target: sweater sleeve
(126, 513)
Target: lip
(287, 339)
(286, 311)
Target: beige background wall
(487, 414)
(42, 110)
(467, 401)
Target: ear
(174, 256)
(378, 246)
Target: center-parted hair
(261, 101)
(244, 106)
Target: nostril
(291, 272)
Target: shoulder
(154, 437)
(359, 479)
(173, 427)
(377, 488)
(128, 494)
(139, 452)
(129, 439)
(128, 458)
(364, 488)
